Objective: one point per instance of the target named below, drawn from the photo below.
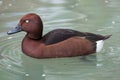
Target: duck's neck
(34, 36)
(32, 47)
(37, 34)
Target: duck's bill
(15, 30)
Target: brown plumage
(57, 43)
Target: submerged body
(56, 43)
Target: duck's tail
(107, 36)
(100, 43)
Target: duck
(58, 43)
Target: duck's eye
(27, 21)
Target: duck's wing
(96, 37)
(58, 35)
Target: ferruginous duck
(56, 43)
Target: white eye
(27, 21)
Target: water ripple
(10, 57)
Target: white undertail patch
(99, 45)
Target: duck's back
(59, 35)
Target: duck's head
(30, 23)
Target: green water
(97, 16)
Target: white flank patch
(99, 45)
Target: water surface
(97, 16)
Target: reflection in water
(98, 16)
